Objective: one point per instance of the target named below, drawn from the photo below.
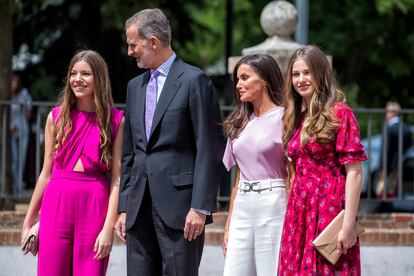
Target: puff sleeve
(348, 142)
(228, 158)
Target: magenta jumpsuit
(75, 204)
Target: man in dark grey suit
(171, 163)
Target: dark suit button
(145, 175)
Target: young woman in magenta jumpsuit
(322, 139)
(78, 200)
(258, 201)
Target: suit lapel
(142, 88)
(171, 85)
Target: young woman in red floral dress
(322, 140)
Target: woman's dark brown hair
(268, 70)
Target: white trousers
(255, 233)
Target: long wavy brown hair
(268, 70)
(320, 123)
(103, 101)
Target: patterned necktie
(150, 102)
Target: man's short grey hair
(151, 22)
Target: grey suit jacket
(181, 161)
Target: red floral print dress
(317, 196)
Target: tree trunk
(6, 53)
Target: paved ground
(375, 261)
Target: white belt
(260, 185)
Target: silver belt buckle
(250, 185)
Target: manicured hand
(347, 238)
(103, 243)
(225, 240)
(120, 227)
(194, 225)
(25, 231)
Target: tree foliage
(371, 41)
(55, 30)
(372, 46)
(208, 47)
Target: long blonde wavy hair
(103, 101)
(320, 123)
(268, 70)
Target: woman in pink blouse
(78, 200)
(257, 205)
(321, 136)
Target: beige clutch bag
(327, 240)
(31, 241)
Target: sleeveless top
(83, 141)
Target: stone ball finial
(279, 18)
